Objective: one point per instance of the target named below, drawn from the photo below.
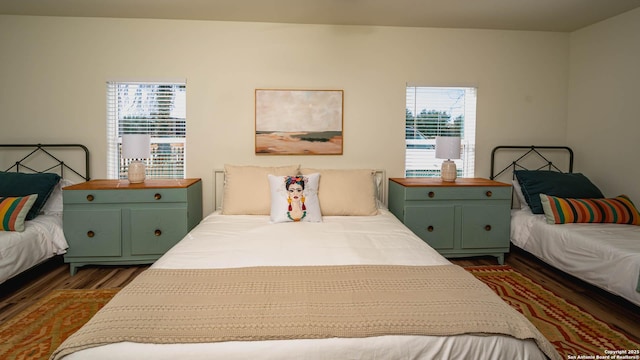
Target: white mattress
(605, 255)
(236, 241)
(42, 238)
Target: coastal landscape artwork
(299, 122)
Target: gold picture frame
(298, 122)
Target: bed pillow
(13, 211)
(246, 188)
(53, 206)
(519, 195)
(618, 210)
(23, 184)
(346, 192)
(565, 185)
(295, 198)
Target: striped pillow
(13, 211)
(618, 210)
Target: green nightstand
(468, 217)
(113, 222)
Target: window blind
(154, 108)
(436, 111)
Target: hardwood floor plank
(23, 291)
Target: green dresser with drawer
(109, 222)
(467, 217)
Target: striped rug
(574, 332)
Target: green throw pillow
(23, 184)
(565, 185)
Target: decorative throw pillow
(13, 211)
(618, 210)
(565, 185)
(23, 184)
(295, 198)
(346, 192)
(246, 188)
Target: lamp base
(448, 172)
(136, 172)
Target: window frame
(165, 120)
(423, 104)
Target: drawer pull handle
(90, 197)
(431, 194)
(430, 228)
(158, 232)
(157, 196)
(487, 227)
(91, 234)
(489, 193)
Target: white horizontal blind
(435, 111)
(157, 109)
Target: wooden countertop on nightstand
(104, 184)
(436, 181)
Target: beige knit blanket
(301, 302)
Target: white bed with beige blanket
(361, 242)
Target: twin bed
(602, 252)
(347, 281)
(31, 237)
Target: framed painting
(299, 122)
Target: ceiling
(534, 15)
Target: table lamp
(136, 147)
(448, 147)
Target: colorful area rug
(37, 331)
(569, 328)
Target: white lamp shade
(136, 146)
(447, 147)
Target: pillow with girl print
(295, 198)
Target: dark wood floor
(21, 292)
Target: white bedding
(222, 241)
(42, 238)
(605, 255)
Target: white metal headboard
(218, 187)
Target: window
(435, 111)
(157, 109)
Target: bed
(257, 279)
(31, 228)
(595, 248)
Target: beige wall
(53, 73)
(604, 103)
